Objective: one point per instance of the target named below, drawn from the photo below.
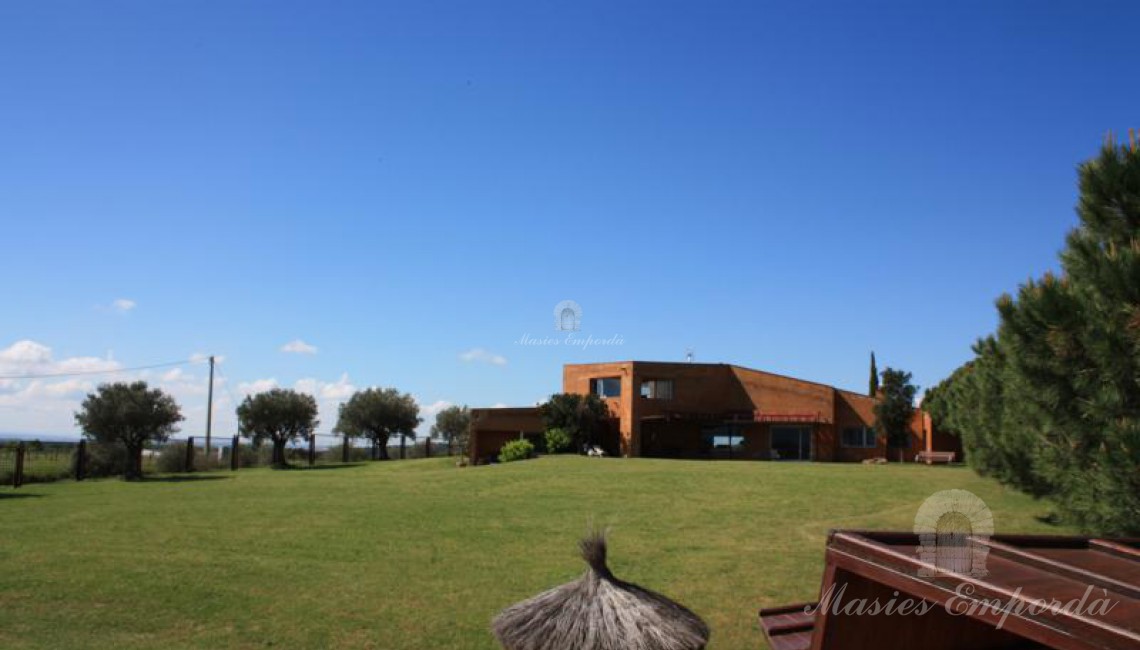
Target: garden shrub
(516, 450)
(558, 441)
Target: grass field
(420, 554)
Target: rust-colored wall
(576, 379)
(492, 427)
(777, 394)
(943, 441)
(773, 393)
(702, 388)
(698, 388)
(854, 410)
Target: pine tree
(1051, 404)
(873, 386)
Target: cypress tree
(873, 385)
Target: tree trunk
(382, 443)
(402, 439)
(279, 454)
(133, 469)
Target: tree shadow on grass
(307, 468)
(1051, 519)
(182, 478)
(19, 495)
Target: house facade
(715, 411)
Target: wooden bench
(789, 627)
(931, 457)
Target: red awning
(767, 416)
(740, 417)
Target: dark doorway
(791, 442)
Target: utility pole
(210, 407)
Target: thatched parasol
(599, 612)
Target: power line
(226, 383)
(78, 373)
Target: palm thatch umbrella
(599, 612)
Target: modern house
(714, 410)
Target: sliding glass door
(791, 442)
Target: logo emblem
(945, 524)
(567, 316)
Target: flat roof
(698, 363)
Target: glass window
(790, 442)
(724, 441)
(861, 437)
(606, 386)
(657, 389)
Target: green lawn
(420, 554)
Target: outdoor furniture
(930, 457)
(993, 604)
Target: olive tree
(280, 416)
(131, 415)
(378, 414)
(451, 424)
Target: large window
(861, 437)
(790, 442)
(657, 389)
(723, 441)
(606, 386)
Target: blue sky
(786, 187)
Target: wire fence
(39, 462)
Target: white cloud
(297, 346)
(483, 356)
(257, 386)
(86, 364)
(340, 389)
(27, 357)
(46, 405)
(329, 394)
(123, 305)
(25, 352)
(428, 413)
(69, 387)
